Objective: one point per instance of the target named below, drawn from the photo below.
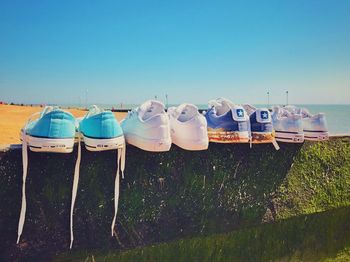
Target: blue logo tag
(240, 112)
(264, 115)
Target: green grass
(320, 236)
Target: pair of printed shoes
(150, 128)
(294, 125)
(231, 123)
(55, 130)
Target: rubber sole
(262, 137)
(289, 137)
(316, 135)
(227, 137)
(94, 144)
(62, 145)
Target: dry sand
(13, 118)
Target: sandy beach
(12, 119)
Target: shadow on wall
(164, 196)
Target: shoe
(227, 122)
(100, 130)
(188, 127)
(260, 125)
(314, 126)
(147, 127)
(288, 127)
(53, 131)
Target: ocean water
(338, 116)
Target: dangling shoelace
(121, 162)
(24, 178)
(22, 214)
(74, 190)
(120, 166)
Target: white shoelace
(74, 190)
(121, 152)
(121, 162)
(24, 178)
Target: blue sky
(130, 51)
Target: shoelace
(24, 178)
(22, 214)
(75, 189)
(121, 152)
(121, 162)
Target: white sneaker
(288, 126)
(188, 127)
(314, 126)
(147, 127)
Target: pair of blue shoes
(55, 130)
(231, 123)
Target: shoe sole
(54, 145)
(262, 137)
(316, 135)
(289, 137)
(152, 145)
(95, 144)
(228, 137)
(191, 145)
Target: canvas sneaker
(261, 129)
(100, 131)
(288, 126)
(227, 122)
(188, 127)
(53, 131)
(314, 126)
(147, 127)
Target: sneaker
(147, 127)
(227, 122)
(314, 126)
(288, 127)
(100, 131)
(53, 131)
(188, 127)
(260, 125)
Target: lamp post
(166, 99)
(268, 99)
(287, 98)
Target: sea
(338, 116)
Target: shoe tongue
(185, 112)
(224, 106)
(150, 108)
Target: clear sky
(130, 51)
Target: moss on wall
(166, 196)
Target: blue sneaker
(288, 126)
(100, 130)
(260, 125)
(53, 131)
(227, 122)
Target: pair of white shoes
(150, 128)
